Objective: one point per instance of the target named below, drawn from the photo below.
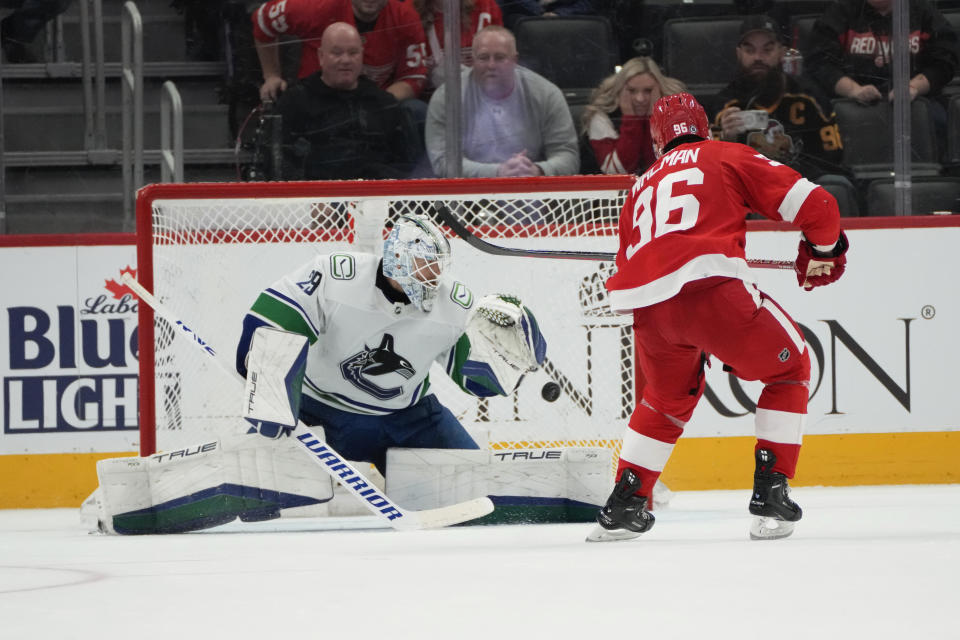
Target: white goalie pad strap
(430, 478)
(275, 365)
(176, 490)
(505, 335)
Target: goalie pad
(276, 364)
(206, 485)
(505, 341)
(530, 485)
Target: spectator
(340, 125)
(19, 29)
(474, 16)
(394, 44)
(850, 54)
(617, 120)
(799, 132)
(515, 122)
(513, 10)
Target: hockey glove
(505, 343)
(276, 364)
(816, 268)
(513, 329)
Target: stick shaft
(482, 245)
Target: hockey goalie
(344, 345)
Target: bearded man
(783, 116)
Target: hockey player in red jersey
(681, 272)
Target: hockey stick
(482, 245)
(332, 463)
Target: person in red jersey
(474, 16)
(394, 47)
(682, 273)
(851, 54)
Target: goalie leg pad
(530, 485)
(206, 485)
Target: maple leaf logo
(118, 289)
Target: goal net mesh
(209, 252)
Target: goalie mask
(416, 254)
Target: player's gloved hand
(512, 327)
(272, 430)
(815, 268)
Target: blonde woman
(617, 120)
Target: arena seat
(573, 52)
(927, 195)
(867, 132)
(952, 154)
(800, 29)
(701, 52)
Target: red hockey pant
(744, 329)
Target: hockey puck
(550, 391)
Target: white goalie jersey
(367, 354)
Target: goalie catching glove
(505, 341)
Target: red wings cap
(675, 116)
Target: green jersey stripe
(283, 315)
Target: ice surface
(868, 562)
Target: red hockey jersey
(485, 13)
(685, 218)
(395, 50)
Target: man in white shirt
(515, 122)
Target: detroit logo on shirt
(379, 362)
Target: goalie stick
(471, 239)
(329, 460)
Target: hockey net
(207, 250)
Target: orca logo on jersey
(379, 361)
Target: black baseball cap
(759, 23)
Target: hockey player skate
(776, 512)
(624, 517)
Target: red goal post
(206, 250)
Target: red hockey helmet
(675, 116)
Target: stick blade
(445, 516)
